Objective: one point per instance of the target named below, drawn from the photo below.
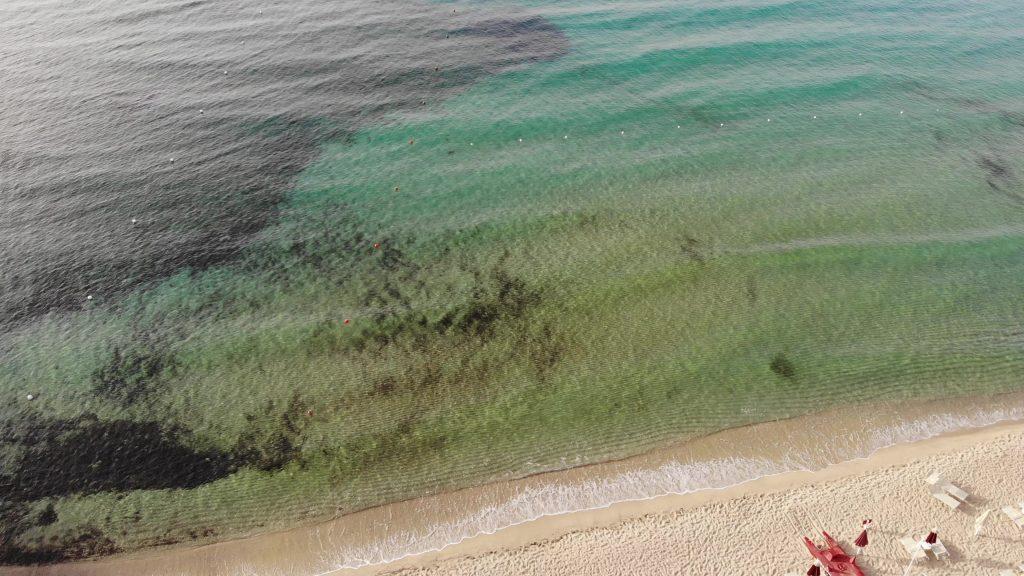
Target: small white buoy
(769, 119)
(201, 111)
(470, 143)
(722, 124)
(134, 221)
(815, 117)
(225, 72)
(172, 160)
(261, 11)
(860, 113)
(520, 139)
(88, 297)
(679, 126)
(30, 397)
(622, 132)
(901, 111)
(566, 137)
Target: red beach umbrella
(814, 570)
(931, 537)
(862, 540)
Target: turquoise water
(635, 223)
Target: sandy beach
(748, 529)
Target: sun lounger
(945, 498)
(1014, 515)
(944, 485)
(938, 550)
(1006, 573)
(910, 545)
(918, 548)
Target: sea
(734, 212)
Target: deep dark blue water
(137, 138)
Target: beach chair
(945, 498)
(1015, 515)
(938, 549)
(1006, 573)
(913, 547)
(937, 481)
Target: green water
(704, 215)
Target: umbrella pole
(913, 558)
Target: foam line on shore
(674, 478)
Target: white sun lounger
(918, 548)
(944, 485)
(1015, 515)
(911, 545)
(938, 550)
(945, 498)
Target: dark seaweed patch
(272, 437)
(47, 516)
(1000, 176)
(408, 436)
(783, 366)
(691, 249)
(86, 455)
(131, 373)
(752, 293)
(496, 296)
(545, 350)
(15, 520)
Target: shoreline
(307, 550)
(552, 528)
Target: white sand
(744, 533)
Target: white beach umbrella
(979, 522)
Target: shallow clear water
(405, 249)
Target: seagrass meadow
(414, 248)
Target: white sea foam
(536, 502)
